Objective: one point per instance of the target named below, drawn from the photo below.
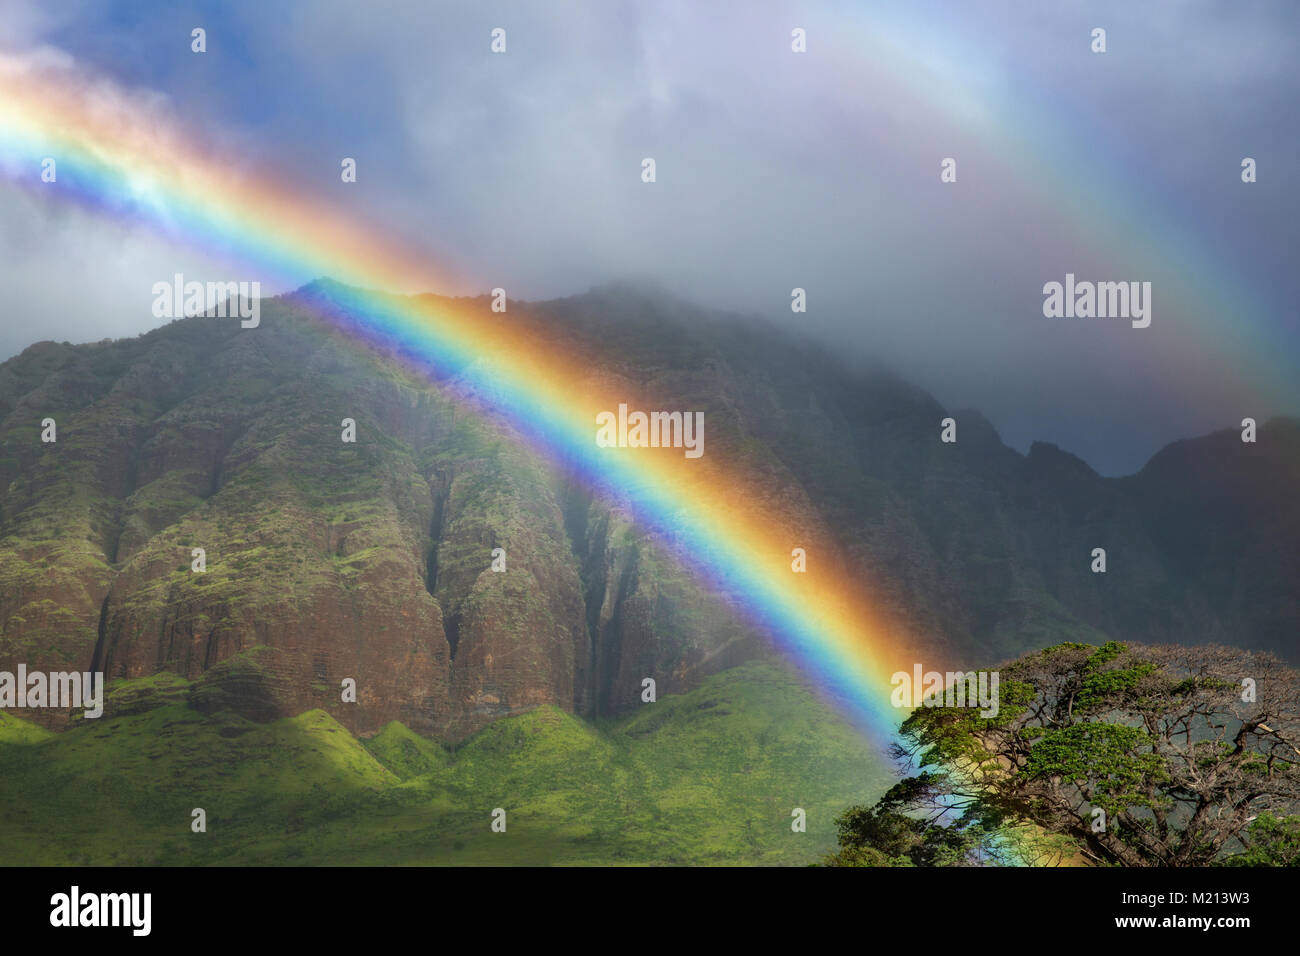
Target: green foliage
(1113, 757)
(1102, 687)
(709, 776)
(883, 836)
(1270, 841)
(405, 752)
(1157, 738)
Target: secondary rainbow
(939, 60)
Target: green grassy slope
(710, 776)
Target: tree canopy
(1115, 755)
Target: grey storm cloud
(774, 170)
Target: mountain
(370, 561)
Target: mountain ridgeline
(327, 560)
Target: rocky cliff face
(325, 560)
(372, 560)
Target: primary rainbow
(726, 518)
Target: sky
(774, 170)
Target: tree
(1121, 754)
(1270, 841)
